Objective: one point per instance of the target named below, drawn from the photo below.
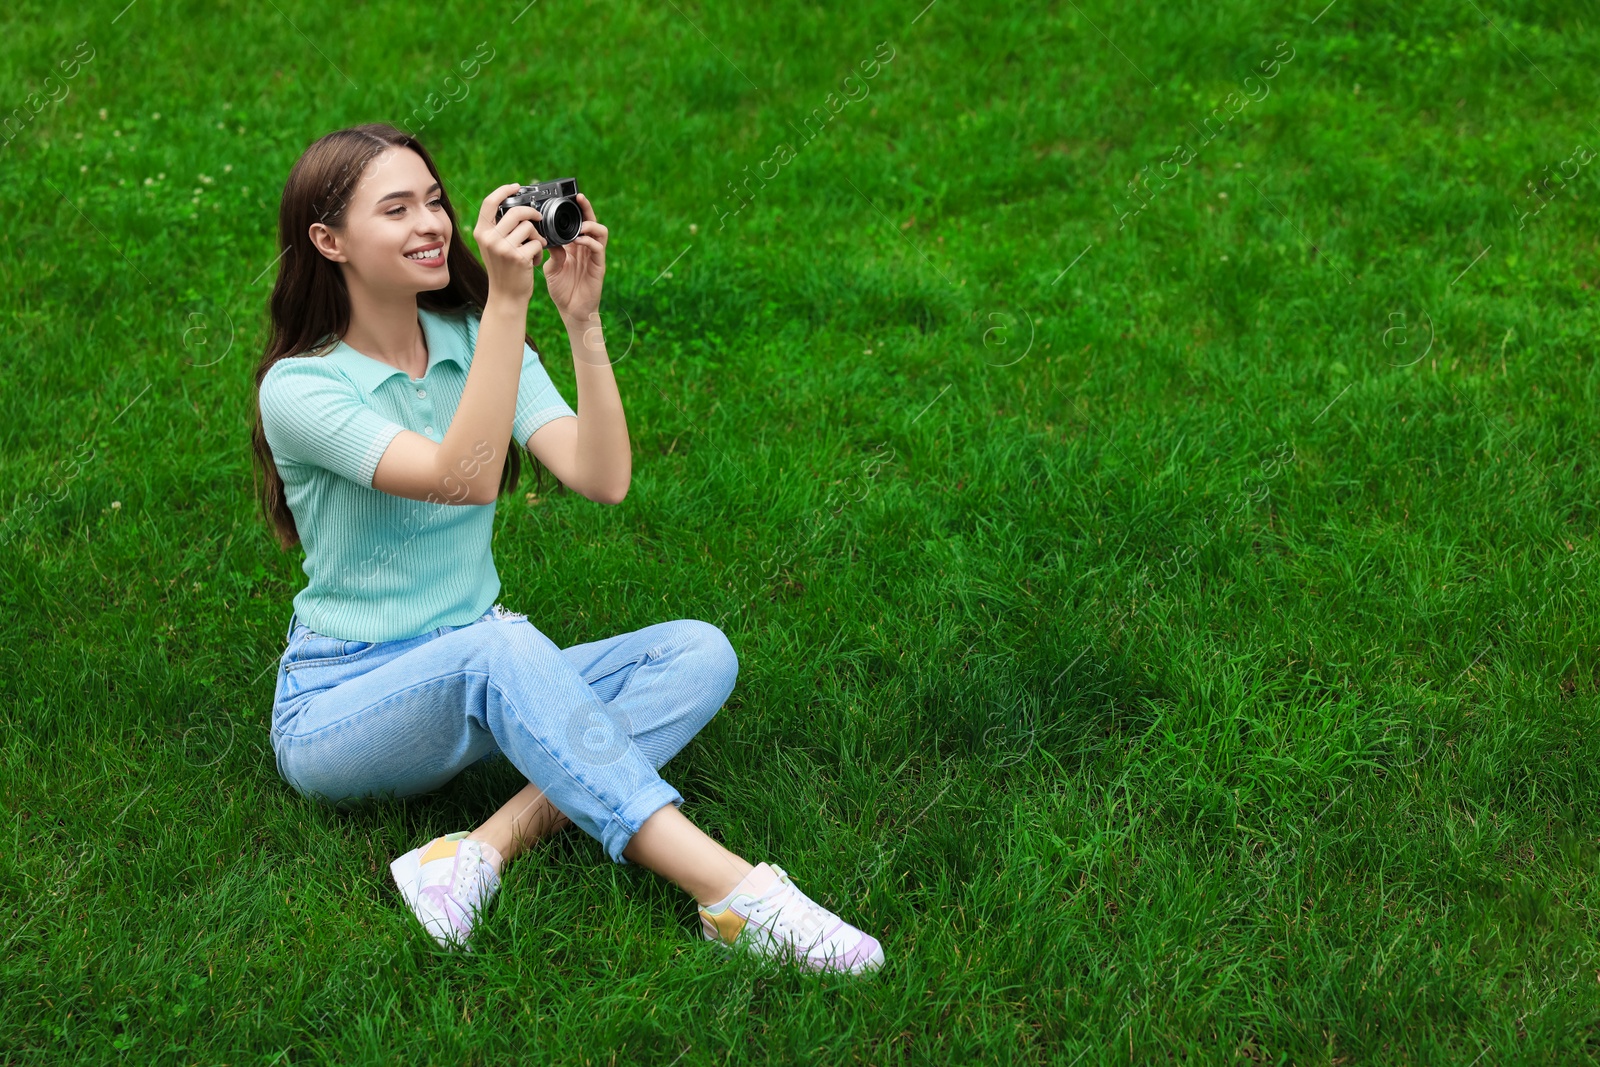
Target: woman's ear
(323, 240)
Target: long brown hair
(310, 305)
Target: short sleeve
(538, 399)
(311, 414)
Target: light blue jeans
(590, 725)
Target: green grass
(1171, 658)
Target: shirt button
(428, 429)
(422, 392)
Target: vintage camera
(557, 204)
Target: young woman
(397, 390)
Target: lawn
(1141, 453)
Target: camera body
(557, 204)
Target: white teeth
(426, 255)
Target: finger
(520, 213)
(590, 242)
(588, 208)
(500, 194)
(557, 266)
(595, 228)
(529, 255)
(572, 253)
(493, 201)
(518, 234)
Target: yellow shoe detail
(441, 848)
(725, 926)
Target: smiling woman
(396, 365)
(356, 202)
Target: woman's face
(395, 213)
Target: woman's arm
(472, 453)
(591, 454)
(464, 467)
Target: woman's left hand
(574, 271)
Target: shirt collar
(444, 342)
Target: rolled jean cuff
(626, 822)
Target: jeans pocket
(314, 649)
(321, 662)
(609, 686)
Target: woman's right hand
(511, 248)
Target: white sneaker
(449, 883)
(769, 916)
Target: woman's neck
(388, 331)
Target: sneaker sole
(872, 963)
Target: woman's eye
(435, 200)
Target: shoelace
(470, 887)
(793, 914)
(465, 894)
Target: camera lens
(565, 218)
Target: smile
(432, 253)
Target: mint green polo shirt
(381, 567)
